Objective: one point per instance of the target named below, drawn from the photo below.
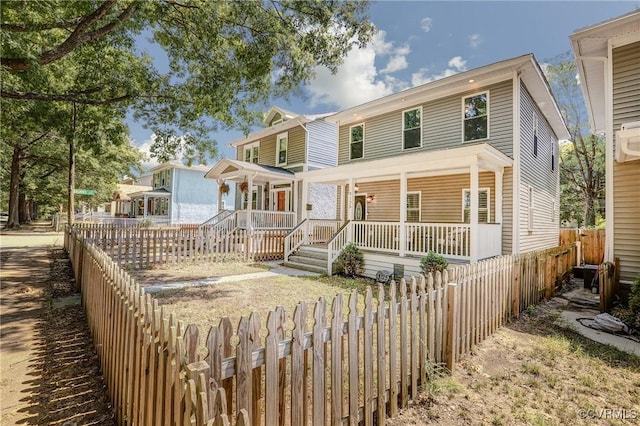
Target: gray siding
(535, 171)
(321, 146)
(626, 190)
(441, 126)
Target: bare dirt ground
(49, 370)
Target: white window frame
(487, 92)
(419, 108)
(419, 205)
(351, 141)
(488, 190)
(530, 208)
(279, 137)
(250, 147)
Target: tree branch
(62, 98)
(25, 28)
(78, 37)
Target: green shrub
(631, 315)
(433, 262)
(351, 260)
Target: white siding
(322, 149)
(194, 199)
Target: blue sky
(420, 41)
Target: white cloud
(396, 63)
(458, 63)
(474, 40)
(358, 80)
(425, 24)
(145, 148)
(455, 65)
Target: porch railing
(336, 244)
(450, 240)
(264, 219)
(321, 230)
(295, 238)
(222, 215)
(379, 236)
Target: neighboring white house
(179, 194)
(608, 58)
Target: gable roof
(288, 115)
(176, 165)
(233, 169)
(591, 48)
(293, 120)
(525, 65)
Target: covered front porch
(265, 196)
(154, 204)
(448, 201)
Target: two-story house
(608, 59)
(179, 194)
(466, 166)
(264, 171)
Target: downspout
(305, 167)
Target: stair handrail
(222, 215)
(296, 238)
(336, 244)
(221, 229)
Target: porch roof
(155, 193)
(425, 163)
(236, 170)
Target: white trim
(279, 137)
(488, 116)
(288, 207)
(351, 141)
(531, 208)
(419, 204)
(419, 108)
(609, 246)
(275, 122)
(515, 171)
(488, 191)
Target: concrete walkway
(275, 271)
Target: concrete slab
(569, 319)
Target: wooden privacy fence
(591, 243)
(138, 247)
(345, 362)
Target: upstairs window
(483, 205)
(281, 142)
(413, 206)
(356, 142)
(412, 128)
(476, 117)
(252, 152)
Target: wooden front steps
(309, 258)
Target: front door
(360, 207)
(282, 201)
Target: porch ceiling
(238, 171)
(426, 163)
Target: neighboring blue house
(179, 194)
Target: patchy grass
(190, 271)
(532, 372)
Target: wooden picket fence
(360, 364)
(592, 243)
(608, 285)
(138, 247)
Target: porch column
(293, 203)
(402, 235)
(305, 200)
(498, 196)
(219, 197)
(473, 171)
(250, 201)
(144, 207)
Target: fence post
(550, 282)
(515, 303)
(452, 325)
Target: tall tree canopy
(582, 160)
(223, 58)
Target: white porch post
(403, 214)
(305, 200)
(249, 201)
(473, 170)
(350, 209)
(219, 197)
(144, 207)
(498, 196)
(293, 203)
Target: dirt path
(49, 373)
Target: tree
(224, 58)
(582, 160)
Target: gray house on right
(608, 58)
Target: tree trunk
(13, 221)
(590, 212)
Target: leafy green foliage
(582, 175)
(630, 315)
(351, 260)
(433, 262)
